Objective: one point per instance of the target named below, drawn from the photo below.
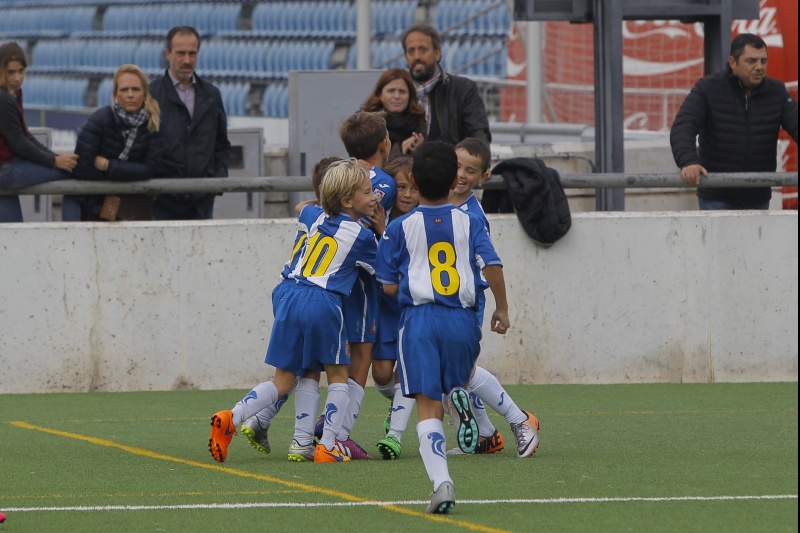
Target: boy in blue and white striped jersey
(308, 332)
(432, 259)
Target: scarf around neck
(402, 126)
(423, 92)
(131, 121)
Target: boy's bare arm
(494, 276)
(299, 207)
(390, 290)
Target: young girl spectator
(23, 160)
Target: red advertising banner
(661, 62)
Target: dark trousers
(184, 207)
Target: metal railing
(302, 183)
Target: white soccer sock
(387, 390)
(485, 426)
(401, 412)
(336, 404)
(489, 390)
(306, 407)
(266, 415)
(262, 396)
(356, 398)
(432, 448)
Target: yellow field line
(241, 473)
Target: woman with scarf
(120, 142)
(395, 94)
(23, 160)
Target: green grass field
(664, 457)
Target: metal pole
(303, 183)
(717, 39)
(533, 66)
(608, 99)
(363, 35)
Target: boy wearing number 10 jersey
(432, 259)
(308, 333)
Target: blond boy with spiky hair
(308, 332)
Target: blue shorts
(279, 292)
(308, 331)
(361, 309)
(388, 323)
(385, 350)
(437, 348)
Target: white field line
(403, 502)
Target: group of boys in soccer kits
(325, 295)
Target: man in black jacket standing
(194, 124)
(738, 114)
(453, 107)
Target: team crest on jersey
(379, 193)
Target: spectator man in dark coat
(738, 114)
(194, 123)
(453, 107)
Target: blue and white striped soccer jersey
(309, 217)
(384, 187)
(361, 308)
(308, 331)
(388, 324)
(435, 254)
(472, 205)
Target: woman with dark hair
(395, 94)
(119, 142)
(23, 160)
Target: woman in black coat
(395, 94)
(23, 160)
(120, 142)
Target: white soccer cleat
(527, 435)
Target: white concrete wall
(624, 297)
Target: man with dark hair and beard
(453, 108)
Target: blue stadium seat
(104, 90)
(149, 56)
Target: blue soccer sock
(262, 396)
(486, 387)
(336, 404)
(432, 448)
(306, 407)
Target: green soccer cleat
(466, 427)
(390, 447)
(387, 422)
(256, 435)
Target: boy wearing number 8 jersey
(308, 332)
(431, 259)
